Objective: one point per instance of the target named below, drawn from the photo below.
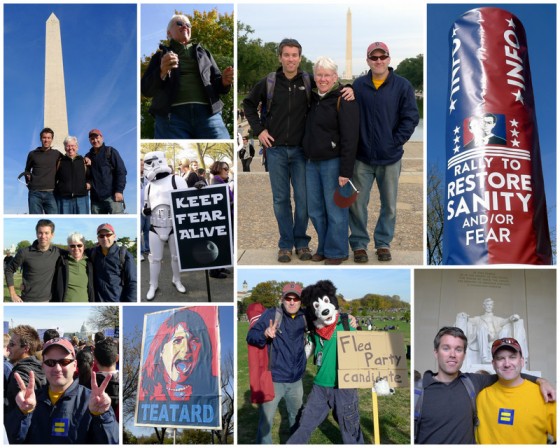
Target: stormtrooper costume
(157, 206)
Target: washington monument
(55, 115)
(348, 71)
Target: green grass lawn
(394, 411)
(17, 284)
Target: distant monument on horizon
(55, 115)
(348, 71)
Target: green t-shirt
(77, 290)
(326, 349)
(191, 89)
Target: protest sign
(366, 356)
(179, 379)
(202, 225)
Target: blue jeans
(40, 202)
(190, 121)
(329, 220)
(286, 164)
(293, 395)
(73, 206)
(145, 231)
(343, 402)
(387, 178)
(107, 207)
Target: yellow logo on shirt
(505, 416)
(60, 427)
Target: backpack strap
(345, 323)
(109, 157)
(270, 83)
(467, 382)
(173, 182)
(418, 399)
(122, 260)
(307, 85)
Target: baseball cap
(95, 132)
(107, 227)
(291, 288)
(506, 342)
(66, 345)
(377, 46)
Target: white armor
(158, 200)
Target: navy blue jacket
(74, 423)
(107, 177)
(388, 116)
(287, 350)
(164, 91)
(110, 284)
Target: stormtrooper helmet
(155, 163)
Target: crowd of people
(103, 273)
(60, 391)
(321, 138)
(71, 184)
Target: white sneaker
(179, 286)
(151, 293)
(142, 257)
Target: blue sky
(69, 318)
(100, 67)
(539, 22)
(321, 28)
(351, 283)
(133, 317)
(18, 229)
(155, 17)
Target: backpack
(271, 82)
(260, 376)
(419, 398)
(122, 259)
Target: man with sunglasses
(22, 353)
(445, 411)
(114, 268)
(38, 264)
(512, 411)
(388, 116)
(63, 411)
(282, 330)
(185, 83)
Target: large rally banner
(179, 379)
(202, 225)
(495, 200)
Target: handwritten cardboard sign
(365, 356)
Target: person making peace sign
(62, 411)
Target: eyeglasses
(225, 168)
(499, 342)
(13, 344)
(292, 299)
(53, 362)
(375, 58)
(105, 235)
(181, 24)
(73, 246)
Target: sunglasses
(225, 168)
(292, 299)
(375, 58)
(499, 342)
(53, 362)
(105, 235)
(73, 246)
(13, 344)
(180, 23)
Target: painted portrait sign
(179, 380)
(202, 225)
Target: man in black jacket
(185, 84)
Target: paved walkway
(221, 290)
(257, 231)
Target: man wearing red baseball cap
(282, 330)
(388, 116)
(108, 176)
(512, 411)
(62, 411)
(114, 268)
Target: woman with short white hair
(75, 272)
(329, 144)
